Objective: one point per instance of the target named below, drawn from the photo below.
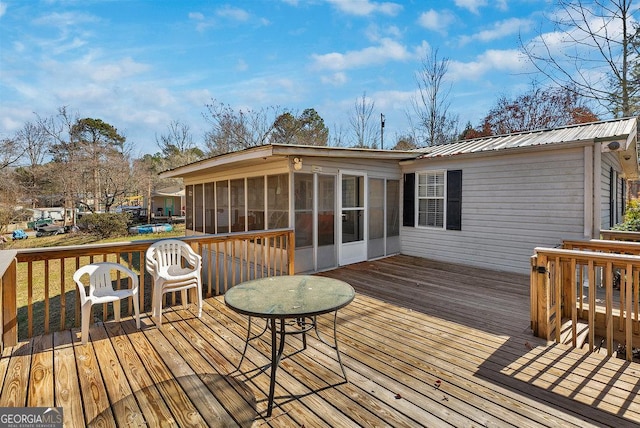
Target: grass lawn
(62, 295)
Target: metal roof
(610, 130)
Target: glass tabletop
(289, 296)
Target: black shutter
(623, 194)
(612, 191)
(409, 201)
(454, 200)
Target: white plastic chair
(174, 266)
(101, 291)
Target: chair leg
(156, 305)
(183, 296)
(199, 299)
(86, 319)
(159, 311)
(136, 309)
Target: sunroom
(344, 204)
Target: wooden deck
(424, 344)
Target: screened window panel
(222, 206)
(303, 204)
(209, 208)
(198, 210)
(255, 203)
(278, 201)
(326, 210)
(393, 207)
(189, 201)
(376, 208)
(238, 215)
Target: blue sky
(139, 65)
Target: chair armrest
(151, 263)
(128, 272)
(192, 257)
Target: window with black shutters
(437, 195)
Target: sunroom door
(353, 224)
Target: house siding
(510, 205)
(609, 161)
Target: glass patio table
(292, 302)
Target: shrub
(105, 225)
(631, 217)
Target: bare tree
(177, 145)
(66, 172)
(591, 51)
(9, 152)
(433, 122)
(34, 143)
(538, 108)
(338, 136)
(233, 130)
(366, 132)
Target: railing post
(568, 281)
(533, 295)
(9, 305)
(541, 322)
(291, 247)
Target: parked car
(19, 234)
(49, 230)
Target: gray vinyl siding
(610, 160)
(510, 205)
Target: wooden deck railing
(582, 282)
(39, 295)
(7, 294)
(620, 235)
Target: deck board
(424, 343)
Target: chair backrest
(99, 279)
(170, 252)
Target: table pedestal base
(301, 326)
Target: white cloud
(202, 23)
(241, 65)
(65, 20)
(196, 16)
(366, 7)
(118, 70)
(336, 79)
(374, 33)
(234, 13)
(436, 21)
(510, 60)
(3, 9)
(423, 49)
(472, 6)
(499, 30)
(387, 50)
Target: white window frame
(424, 195)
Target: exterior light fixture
(297, 163)
(614, 145)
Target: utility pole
(382, 131)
